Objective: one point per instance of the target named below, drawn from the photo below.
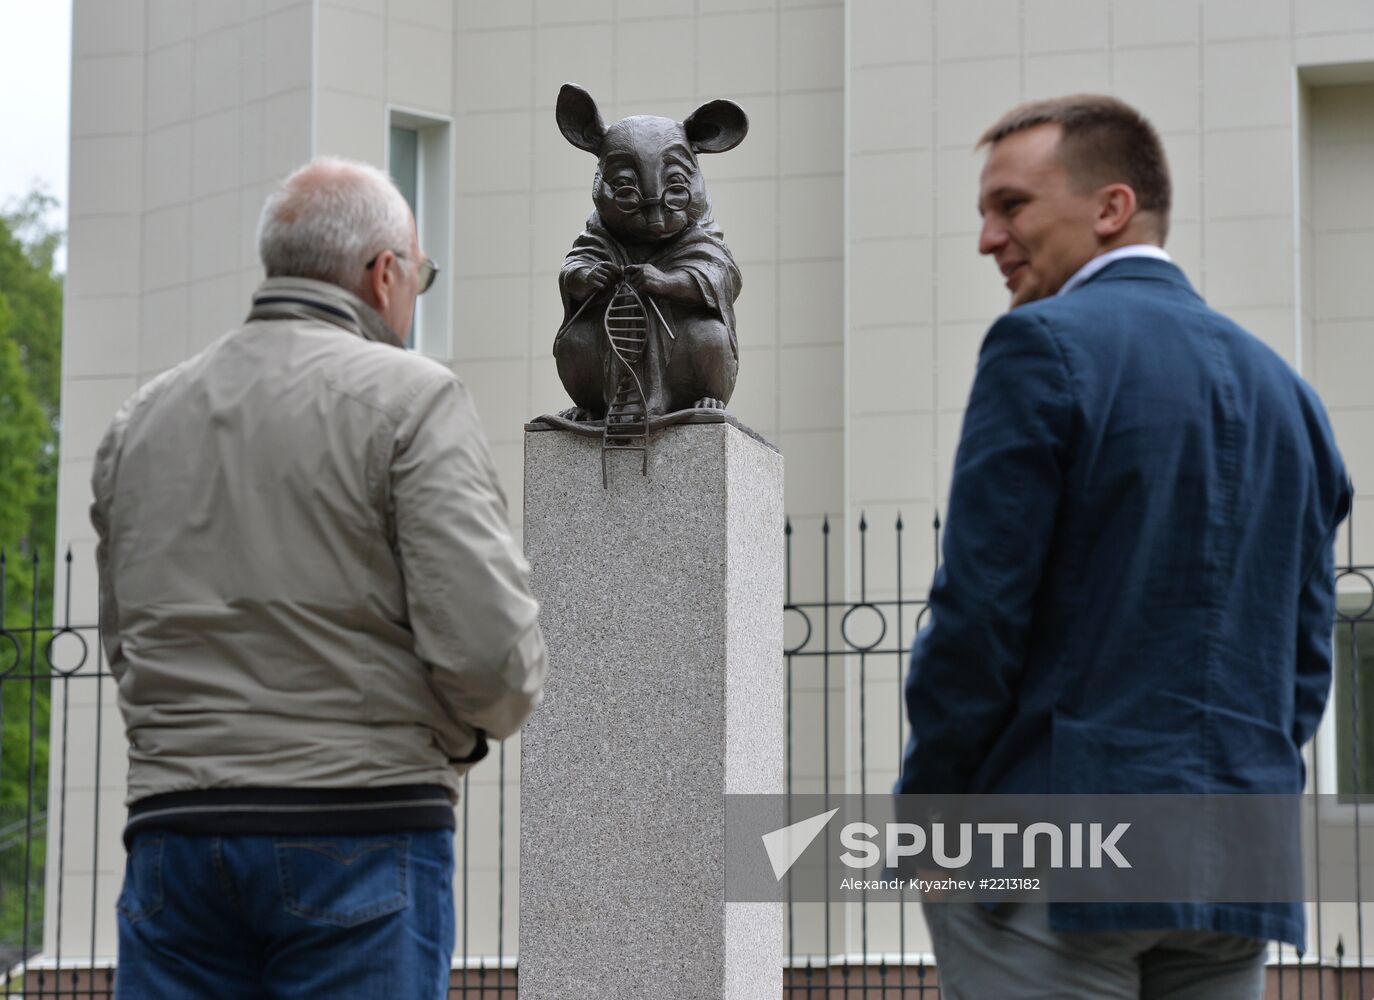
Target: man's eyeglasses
(675, 198)
(428, 270)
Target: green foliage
(30, 410)
(21, 881)
(30, 380)
(33, 288)
(30, 407)
(24, 435)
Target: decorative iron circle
(882, 627)
(1369, 585)
(18, 653)
(806, 620)
(52, 642)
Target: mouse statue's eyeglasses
(675, 198)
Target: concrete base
(662, 606)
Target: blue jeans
(286, 918)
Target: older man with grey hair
(316, 615)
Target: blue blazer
(1137, 590)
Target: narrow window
(418, 159)
(1352, 698)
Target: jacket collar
(1141, 269)
(306, 298)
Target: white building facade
(850, 208)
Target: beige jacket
(307, 574)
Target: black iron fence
(849, 622)
(838, 651)
(854, 652)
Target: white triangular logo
(785, 846)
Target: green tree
(25, 434)
(30, 402)
(31, 324)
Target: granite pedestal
(662, 607)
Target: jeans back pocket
(142, 896)
(343, 881)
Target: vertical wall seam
(846, 324)
(1201, 157)
(935, 318)
(532, 265)
(1297, 140)
(142, 204)
(315, 77)
(1111, 48)
(1021, 47)
(777, 219)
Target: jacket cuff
(479, 750)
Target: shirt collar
(1102, 260)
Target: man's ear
(716, 127)
(381, 282)
(578, 119)
(1116, 209)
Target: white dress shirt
(1098, 263)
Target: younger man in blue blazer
(1138, 589)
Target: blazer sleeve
(1316, 614)
(1003, 503)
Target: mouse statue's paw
(709, 403)
(577, 414)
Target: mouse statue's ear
(716, 127)
(578, 119)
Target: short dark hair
(1105, 141)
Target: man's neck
(1107, 256)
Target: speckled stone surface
(662, 607)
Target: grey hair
(328, 219)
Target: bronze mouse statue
(649, 287)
